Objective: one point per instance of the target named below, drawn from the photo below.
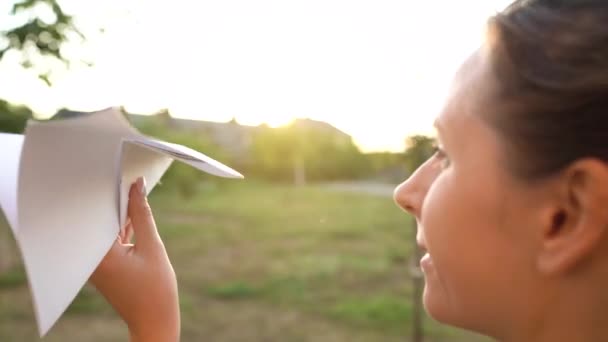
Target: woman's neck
(578, 313)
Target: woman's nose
(408, 197)
(410, 194)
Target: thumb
(142, 219)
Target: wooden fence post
(417, 288)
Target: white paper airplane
(64, 188)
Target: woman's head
(551, 59)
(513, 209)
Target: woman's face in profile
(474, 218)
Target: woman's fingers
(126, 233)
(129, 233)
(123, 231)
(138, 280)
(142, 220)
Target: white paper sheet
(137, 161)
(71, 192)
(9, 170)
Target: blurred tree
(273, 150)
(45, 28)
(419, 149)
(303, 151)
(13, 118)
(387, 167)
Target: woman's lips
(426, 263)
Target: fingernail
(141, 185)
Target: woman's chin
(436, 305)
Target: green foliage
(387, 167)
(322, 154)
(39, 36)
(420, 148)
(382, 160)
(13, 118)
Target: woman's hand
(138, 279)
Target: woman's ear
(577, 220)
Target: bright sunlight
(377, 70)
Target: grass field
(259, 262)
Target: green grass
(235, 290)
(88, 301)
(15, 277)
(260, 262)
(376, 311)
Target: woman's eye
(442, 157)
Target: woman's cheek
(436, 223)
(451, 242)
(437, 216)
(445, 219)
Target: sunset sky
(376, 69)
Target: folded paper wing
(151, 157)
(72, 180)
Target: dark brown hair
(551, 62)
